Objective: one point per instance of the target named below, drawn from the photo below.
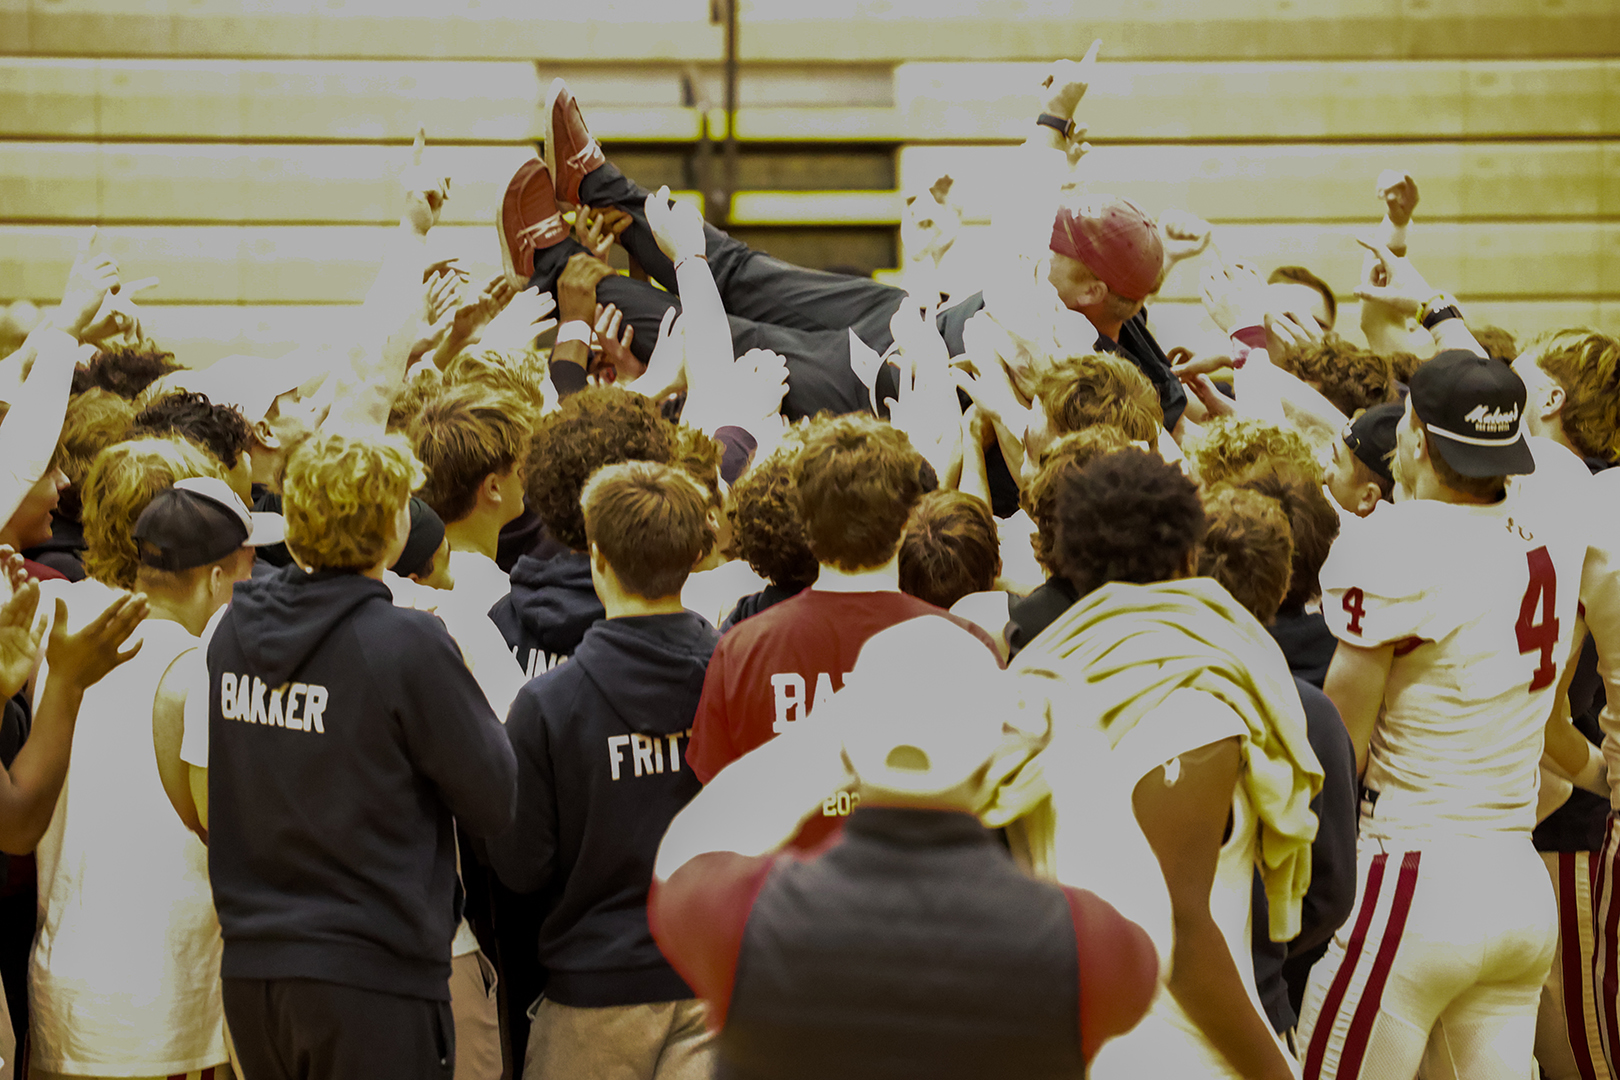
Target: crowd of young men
(785, 675)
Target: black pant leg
(607, 186)
(307, 1029)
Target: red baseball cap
(1115, 239)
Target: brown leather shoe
(570, 150)
(528, 220)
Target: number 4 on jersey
(1542, 636)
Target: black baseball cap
(198, 521)
(427, 533)
(1473, 407)
(1371, 436)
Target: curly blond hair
(1100, 388)
(123, 480)
(341, 496)
(1231, 446)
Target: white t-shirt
(1480, 604)
(124, 975)
(1167, 1043)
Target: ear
(1368, 498)
(264, 436)
(1552, 402)
(489, 489)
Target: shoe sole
(558, 88)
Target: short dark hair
(599, 425)
(651, 523)
(126, 370)
(1313, 524)
(219, 429)
(856, 479)
(1126, 516)
(767, 533)
(950, 549)
(1248, 548)
(1490, 488)
(1301, 276)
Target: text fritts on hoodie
(600, 744)
(551, 605)
(344, 733)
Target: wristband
(1434, 304)
(573, 330)
(1057, 123)
(1440, 315)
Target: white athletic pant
(1569, 1045)
(1439, 968)
(1606, 961)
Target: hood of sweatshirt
(551, 605)
(649, 669)
(282, 619)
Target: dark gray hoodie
(601, 749)
(551, 605)
(344, 735)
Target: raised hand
(117, 319)
(524, 318)
(1287, 332)
(1400, 195)
(94, 275)
(1185, 234)
(424, 193)
(1404, 289)
(614, 345)
(1234, 296)
(438, 313)
(666, 368)
(19, 637)
(678, 228)
(576, 288)
(597, 229)
(1067, 82)
(84, 658)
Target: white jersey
(1480, 603)
(1600, 597)
(124, 974)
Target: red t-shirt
(778, 666)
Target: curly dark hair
(1126, 516)
(1248, 549)
(600, 425)
(219, 429)
(1039, 498)
(1313, 524)
(950, 549)
(766, 532)
(856, 480)
(126, 370)
(1353, 379)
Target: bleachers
(246, 152)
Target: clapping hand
(1234, 296)
(19, 634)
(85, 657)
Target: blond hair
(462, 435)
(123, 480)
(342, 495)
(1231, 446)
(1587, 365)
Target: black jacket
(551, 605)
(1306, 641)
(601, 745)
(344, 733)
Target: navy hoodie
(551, 605)
(601, 745)
(344, 734)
